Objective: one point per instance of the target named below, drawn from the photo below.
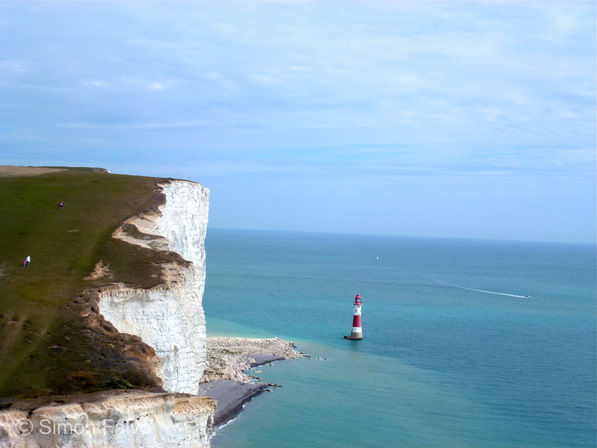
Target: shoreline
(223, 393)
(225, 380)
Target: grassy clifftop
(46, 346)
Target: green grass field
(45, 345)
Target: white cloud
(135, 83)
(95, 84)
(471, 89)
(14, 67)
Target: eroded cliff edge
(168, 317)
(115, 419)
(159, 330)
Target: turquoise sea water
(453, 355)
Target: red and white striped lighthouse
(357, 331)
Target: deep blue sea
(453, 354)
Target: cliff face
(169, 317)
(130, 419)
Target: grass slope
(45, 346)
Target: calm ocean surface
(453, 355)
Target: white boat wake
(490, 292)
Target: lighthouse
(357, 332)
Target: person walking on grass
(27, 261)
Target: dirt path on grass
(9, 171)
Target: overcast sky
(450, 119)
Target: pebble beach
(228, 358)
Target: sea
(453, 353)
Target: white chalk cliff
(125, 420)
(170, 317)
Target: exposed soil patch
(6, 170)
(101, 270)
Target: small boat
(527, 297)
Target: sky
(443, 119)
